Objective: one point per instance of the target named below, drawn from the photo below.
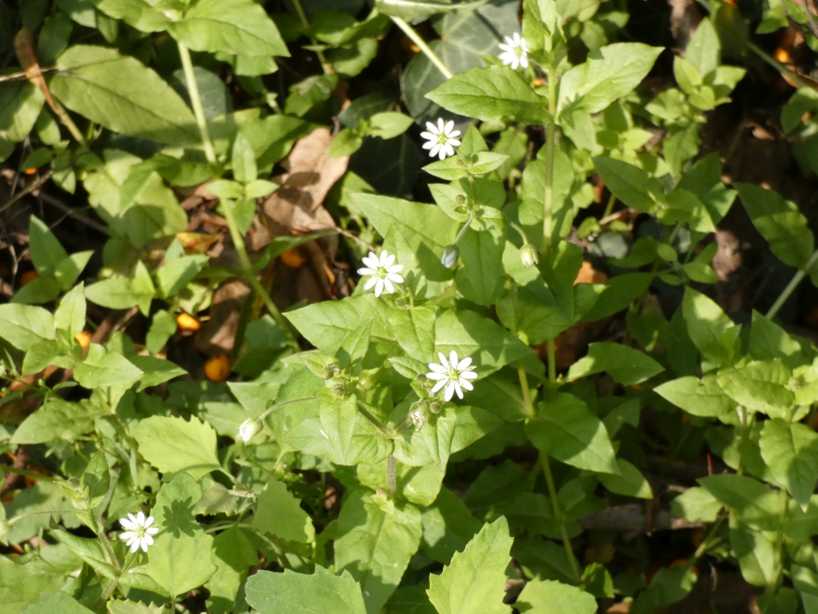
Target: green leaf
(760, 386)
(712, 332)
(172, 444)
(669, 585)
(474, 580)
(467, 36)
(608, 74)
(470, 334)
(493, 93)
(696, 505)
(316, 593)
(758, 554)
(279, 514)
(389, 124)
(699, 397)
(334, 429)
(122, 95)
(180, 563)
(624, 364)
(480, 279)
(103, 368)
(56, 602)
(630, 481)
(567, 430)
(239, 27)
(24, 325)
(70, 313)
(244, 160)
(754, 503)
(20, 105)
(376, 540)
(629, 183)
(56, 419)
(415, 9)
(175, 274)
(327, 324)
(791, 453)
(552, 597)
(780, 222)
(121, 292)
(704, 49)
(46, 251)
(138, 13)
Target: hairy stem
(196, 101)
(427, 51)
(796, 279)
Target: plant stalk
(196, 101)
(526, 392)
(250, 275)
(555, 506)
(302, 17)
(552, 136)
(426, 49)
(796, 279)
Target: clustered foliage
(417, 443)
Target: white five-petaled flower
(247, 430)
(382, 271)
(452, 374)
(514, 51)
(441, 139)
(138, 531)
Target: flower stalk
(196, 102)
(794, 282)
(426, 49)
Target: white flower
(138, 531)
(441, 139)
(515, 51)
(382, 271)
(455, 374)
(247, 430)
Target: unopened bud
(450, 256)
(528, 255)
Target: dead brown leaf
(218, 335)
(297, 206)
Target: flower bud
(450, 256)
(528, 255)
(247, 430)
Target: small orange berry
(28, 277)
(292, 259)
(84, 339)
(31, 171)
(782, 55)
(187, 323)
(217, 368)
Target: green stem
(781, 68)
(427, 51)
(609, 207)
(555, 506)
(302, 17)
(526, 392)
(551, 141)
(796, 279)
(196, 101)
(551, 352)
(250, 275)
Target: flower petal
(458, 390)
(439, 385)
(436, 375)
(447, 395)
(464, 363)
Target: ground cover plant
(408, 306)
